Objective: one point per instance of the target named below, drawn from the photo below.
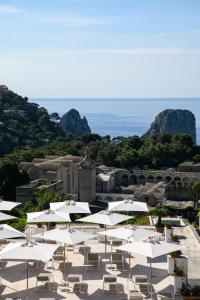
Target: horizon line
(113, 98)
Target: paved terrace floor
(14, 275)
(191, 248)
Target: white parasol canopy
(71, 206)
(28, 251)
(8, 205)
(4, 217)
(48, 216)
(131, 233)
(128, 205)
(8, 232)
(150, 248)
(105, 217)
(67, 235)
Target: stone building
(179, 191)
(87, 179)
(54, 168)
(189, 167)
(80, 176)
(27, 191)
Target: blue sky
(101, 48)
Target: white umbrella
(8, 232)
(150, 248)
(71, 206)
(106, 218)
(4, 217)
(28, 251)
(131, 234)
(48, 216)
(128, 205)
(67, 236)
(8, 205)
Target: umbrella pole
(27, 279)
(105, 243)
(151, 279)
(64, 261)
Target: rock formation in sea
(174, 121)
(72, 123)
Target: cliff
(72, 123)
(174, 121)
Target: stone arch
(168, 179)
(150, 179)
(109, 198)
(159, 178)
(177, 178)
(133, 179)
(125, 180)
(142, 179)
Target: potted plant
(179, 279)
(159, 212)
(168, 226)
(190, 293)
(178, 271)
(175, 238)
(176, 254)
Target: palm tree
(159, 212)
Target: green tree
(196, 188)
(159, 212)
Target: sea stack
(72, 123)
(174, 121)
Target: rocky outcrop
(72, 123)
(174, 121)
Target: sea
(121, 117)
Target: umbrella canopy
(4, 217)
(71, 207)
(28, 251)
(105, 217)
(150, 248)
(67, 235)
(131, 234)
(48, 216)
(128, 205)
(8, 205)
(8, 232)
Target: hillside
(23, 123)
